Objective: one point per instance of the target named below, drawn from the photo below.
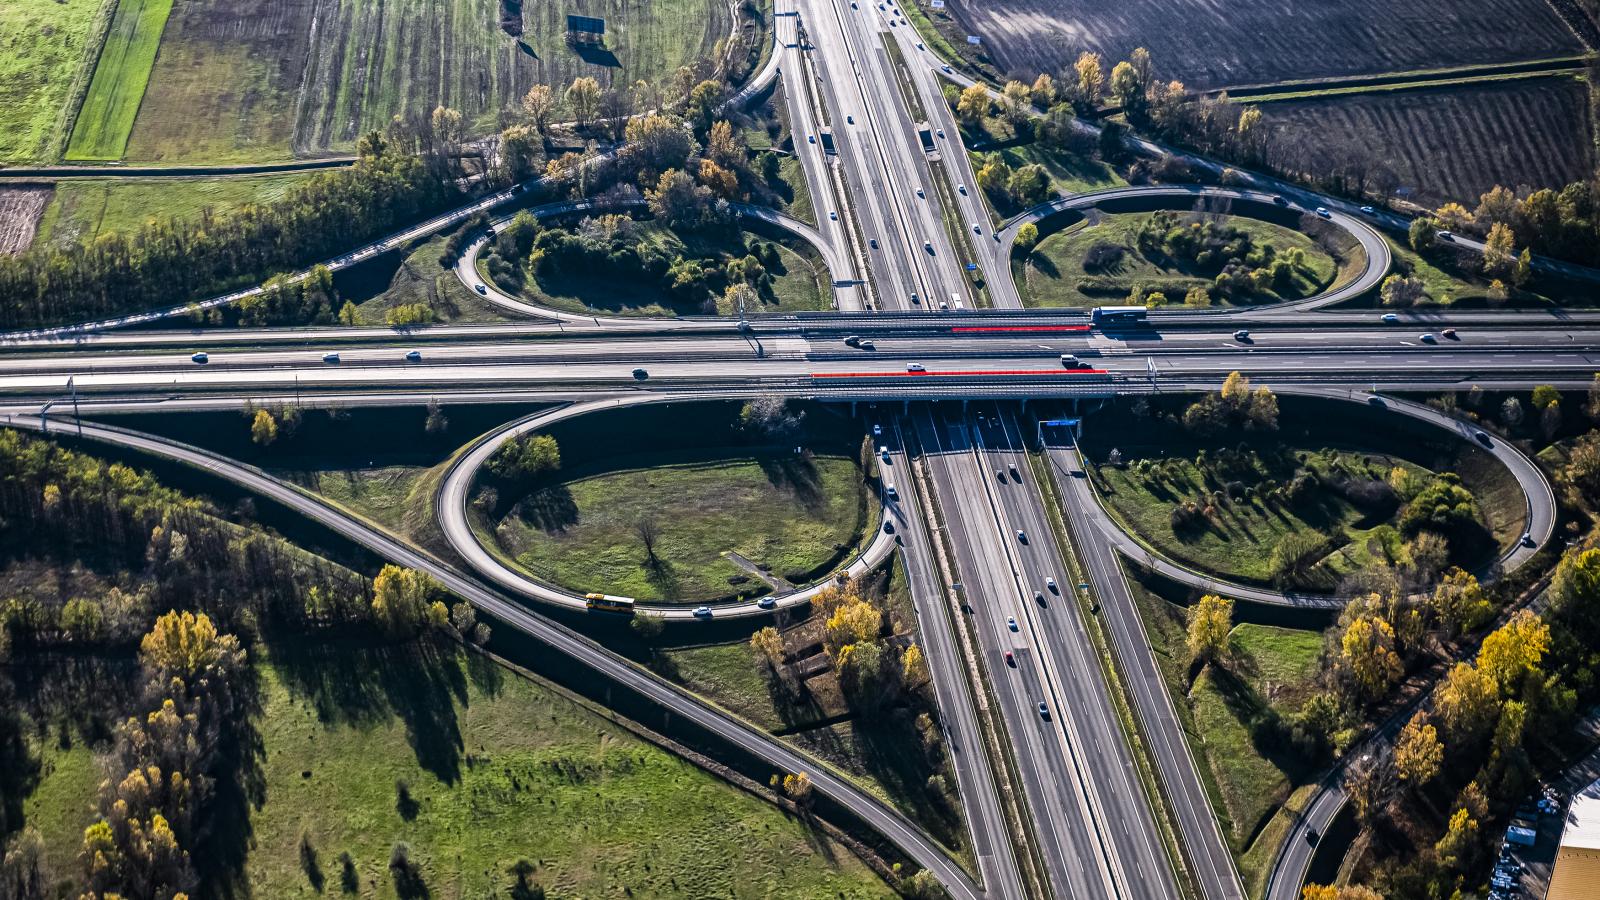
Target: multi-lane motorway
(898, 223)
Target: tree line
(168, 262)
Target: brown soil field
(1455, 143)
(20, 209)
(1207, 44)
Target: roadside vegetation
(1195, 259)
(1217, 485)
(315, 731)
(736, 513)
(846, 681)
(83, 209)
(47, 51)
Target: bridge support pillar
(907, 408)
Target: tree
(1418, 753)
(1125, 85)
(1198, 297)
(1514, 649)
(1347, 892)
(1043, 92)
(1545, 395)
(583, 95)
(1091, 80)
(1210, 623)
(263, 428)
(677, 201)
(769, 644)
(1422, 234)
(525, 456)
(797, 787)
(1498, 250)
(914, 666)
(1016, 102)
(1460, 603)
(725, 147)
(188, 646)
(1467, 703)
(1458, 844)
(538, 103)
(1511, 412)
(349, 314)
(1369, 782)
(401, 599)
(1366, 650)
(657, 143)
(24, 870)
(1027, 237)
(436, 422)
(855, 622)
(772, 417)
(649, 533)
(704, 100)
(1400, 291)
(648, 626)
(1028, 184)
(973, 105)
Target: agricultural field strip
(105, 120)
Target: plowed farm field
(1454, 144)
(245, 80)
(20, 209)
(1209, 44)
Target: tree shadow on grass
(548, 509)
(796, 474)
(240, 788)
(358, 683)
(1044, 265)
(891, 751)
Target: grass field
(1453, 143)
(84, 208)
(1238, 541)
(776, 510)
(798, 282)
(1069, 174)
(1247, 777)
(106, 117)
(1208, 46)
(268, 79)
(47, 48)
(1053, 274)
(501, 767)
(414, 277)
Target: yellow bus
(608, 603)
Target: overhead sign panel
(588, 24)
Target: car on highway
(1482, 437)
(1427, 338)
(916, 367)
(1069, 361)
(873, 243)
(868, 345)
(1241, 335)
(915, 299)
(1011, 623)
(1051, 584)
(961, 189)
(330, 358)
(853, 340)
(877, 430)
(888, 527)
(945, 68)
(702, 612)
(941, 132)
(920, 193)
(640, 374)
(200, 358)
(1391, 318)
(976, 228)
(481, 289)
(1281, 201)
(1323, 212)
(1367, 210)
(884, 452)
(767, 602)
(811, 139)
(928, 246)
(1527, 540)
(1038, 597)
(414, 356)
(920, 47)
(1014, 473)
(1451, 334)
(1022, 536)
(1011, 660)
(1446, 236)
(890, 492)
(849, 120)
(833, 215)
(1000, 475)
(1044, 710)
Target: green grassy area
(501, 767)
(63, 803)
(1054, 273)
(1069, 173)
(1237, 541)
(416, 277)
(1248, 776)
(794, 176)
(385, 495)
(1446, 285)
(793, 515)
(798, 280)
(246, 80)
(106, 118)
(47, 49)
(84, 208)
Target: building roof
(1583, 819)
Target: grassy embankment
(788, 515)
(500, 766)
(798, 283)
(107, 115)
(47, 54)
(1054, 273)
(1252, 781)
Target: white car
(702, 612)
(1367, 210)
(916, 367)
(1323, 212)
(414, 356)
(1391, 318)
(920, 193)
